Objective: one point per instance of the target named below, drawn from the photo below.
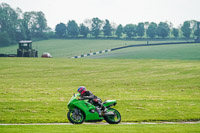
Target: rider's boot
(104, 109)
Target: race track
(104, 123)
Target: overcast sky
(118, 11)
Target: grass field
(147, 87)
(176, 52)
(175, 128)
(37, 90)
(69, 48)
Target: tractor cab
(25, 49)
(25, 45)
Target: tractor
(25, 49)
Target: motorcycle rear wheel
(113, 119)
(74, 118)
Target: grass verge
(164, 128)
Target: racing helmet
(82, 90)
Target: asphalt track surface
(103, 123)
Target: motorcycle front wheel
(76, 118)
(113, 119)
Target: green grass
(175, 128)
(37, 90)
(178, 52)
(68, 48)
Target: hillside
(69, 48)
(175, 52)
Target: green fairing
(82, 110)
(109, 103)
(85, 107)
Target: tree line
(96, 27)
(16, 25)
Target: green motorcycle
(83, 110)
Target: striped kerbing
(90, 54)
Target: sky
(118, 11)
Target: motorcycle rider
(92, 99)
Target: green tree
(8, 21)
(197, 31)
(61, 30)
(35, 24)
(96, 26)
(72, 28)
(107, 29)
(152, 30)
(4, 39)
(175, 32)
(140, 30)
(18, 25)
(163, 30)
(130, 30)
(146, 25)
(186, 30)
(113, 28)
(84, 30)
(119, 31)
(30, 24)
(193, 26)
(41, 24)
(21, 31)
